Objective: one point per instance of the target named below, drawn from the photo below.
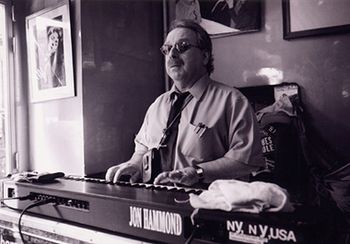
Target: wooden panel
(122, 75)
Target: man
(216, 136)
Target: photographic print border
(315, 22)
(215, 22)
(50, 55)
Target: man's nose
(173, 52)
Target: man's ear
(205, 58)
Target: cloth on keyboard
(239, 196)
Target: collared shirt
(218, 124)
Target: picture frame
(305, 18)
(220, 18)
(50, 56)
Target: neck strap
(166, 130)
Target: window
(5, 96)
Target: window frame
(9, 90)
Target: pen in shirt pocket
(200, 129)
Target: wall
(122, 75)
(118, 73)
(97, 125)
(320, 65)
(55, 127)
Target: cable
(193, 233)
(28, 197)
(9, 207)
(196, 227)
(35, 204)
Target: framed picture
(302, 18)
(50, 60)
(220, 17)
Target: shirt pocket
(200, 144)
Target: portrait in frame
(304, 18)
(50, 59)
(221, 17)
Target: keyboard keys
(171, 188)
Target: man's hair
(203, 39)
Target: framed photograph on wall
(302, 18)
(50, 59)
(220, 17)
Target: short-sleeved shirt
(217, 122)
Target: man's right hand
(131, 168)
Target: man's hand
(132, 168)
(186, 176)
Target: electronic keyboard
(157, 213)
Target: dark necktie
(175, 111)
(169, 144)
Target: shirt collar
(196, 90)
(199, 87)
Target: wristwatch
(199, 171)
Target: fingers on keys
(111, 172)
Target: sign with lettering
(258, 233)
(155, 220)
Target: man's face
(187, 67)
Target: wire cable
(27, 197)
(9, 207)
(196, 227)
(35, 204)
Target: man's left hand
(186, 176)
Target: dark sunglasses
(180, 47)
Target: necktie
(175, 111)
(167, 151)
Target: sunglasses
(180, 47)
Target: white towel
(239, 196)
